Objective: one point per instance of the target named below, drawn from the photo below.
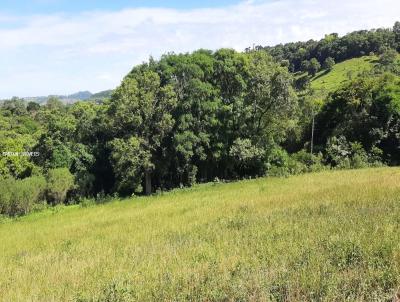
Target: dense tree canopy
(352, 45)
(204, 116)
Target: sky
(64, 46)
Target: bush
(359, 157)
(6, 189)
(87, 202)
(345, 155)
(338, 152)
(375, 157)
(59, 183)
(278, 163)
(19, 197)
(304, 162)
(247, 158)
(329, 63)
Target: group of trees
(333, 47)
(313, 66)
(365, 110)
(197, 117)
(21, 196)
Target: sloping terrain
(342, 72)
(325, 81)
(330, 236)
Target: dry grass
(329, 236)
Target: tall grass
(330, 236)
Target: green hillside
(332, 236)
(325, 81)
(342, 72)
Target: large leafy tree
(270, 101)
(193, 149)
(55, 145)
(141, 109)
(128, 159)
(19, 133)
(230, 77)
(269, 105)
(314, 67)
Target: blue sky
(64, 46)
(74, 6)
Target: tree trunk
(148, 182)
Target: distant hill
(81, 95)
(102, 95)
(72, 98)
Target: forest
(206, 116)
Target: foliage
(329, 63)
(19, 197)
(396, 31)
(365, 110)
(353, 45)
(196, 117)
(246, 156)
(129, 161)
(141, 107)
(59, 182)
(198, 107)
(344, 155)
(388, 61)
(305, 162)
(313, 67)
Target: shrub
(59, 182)
(247, 157)
(338, 152)
(19, 197)
(278, 163)
(87, 202)
(359, 157)
(329, 63)
(345, 155)
(303, 162)
(375, 157)
(6, 189)
(192, 173)
(387, 58)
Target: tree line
(301, 56)
(196, 117)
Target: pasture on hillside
(325, 82)
(330, 236)
(329, 81)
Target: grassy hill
(341, 72)
(325, 81)
(316, 237)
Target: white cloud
(67, 52)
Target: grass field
(325, 82)
(341, 72)
(331, 236)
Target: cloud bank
(64, 53)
